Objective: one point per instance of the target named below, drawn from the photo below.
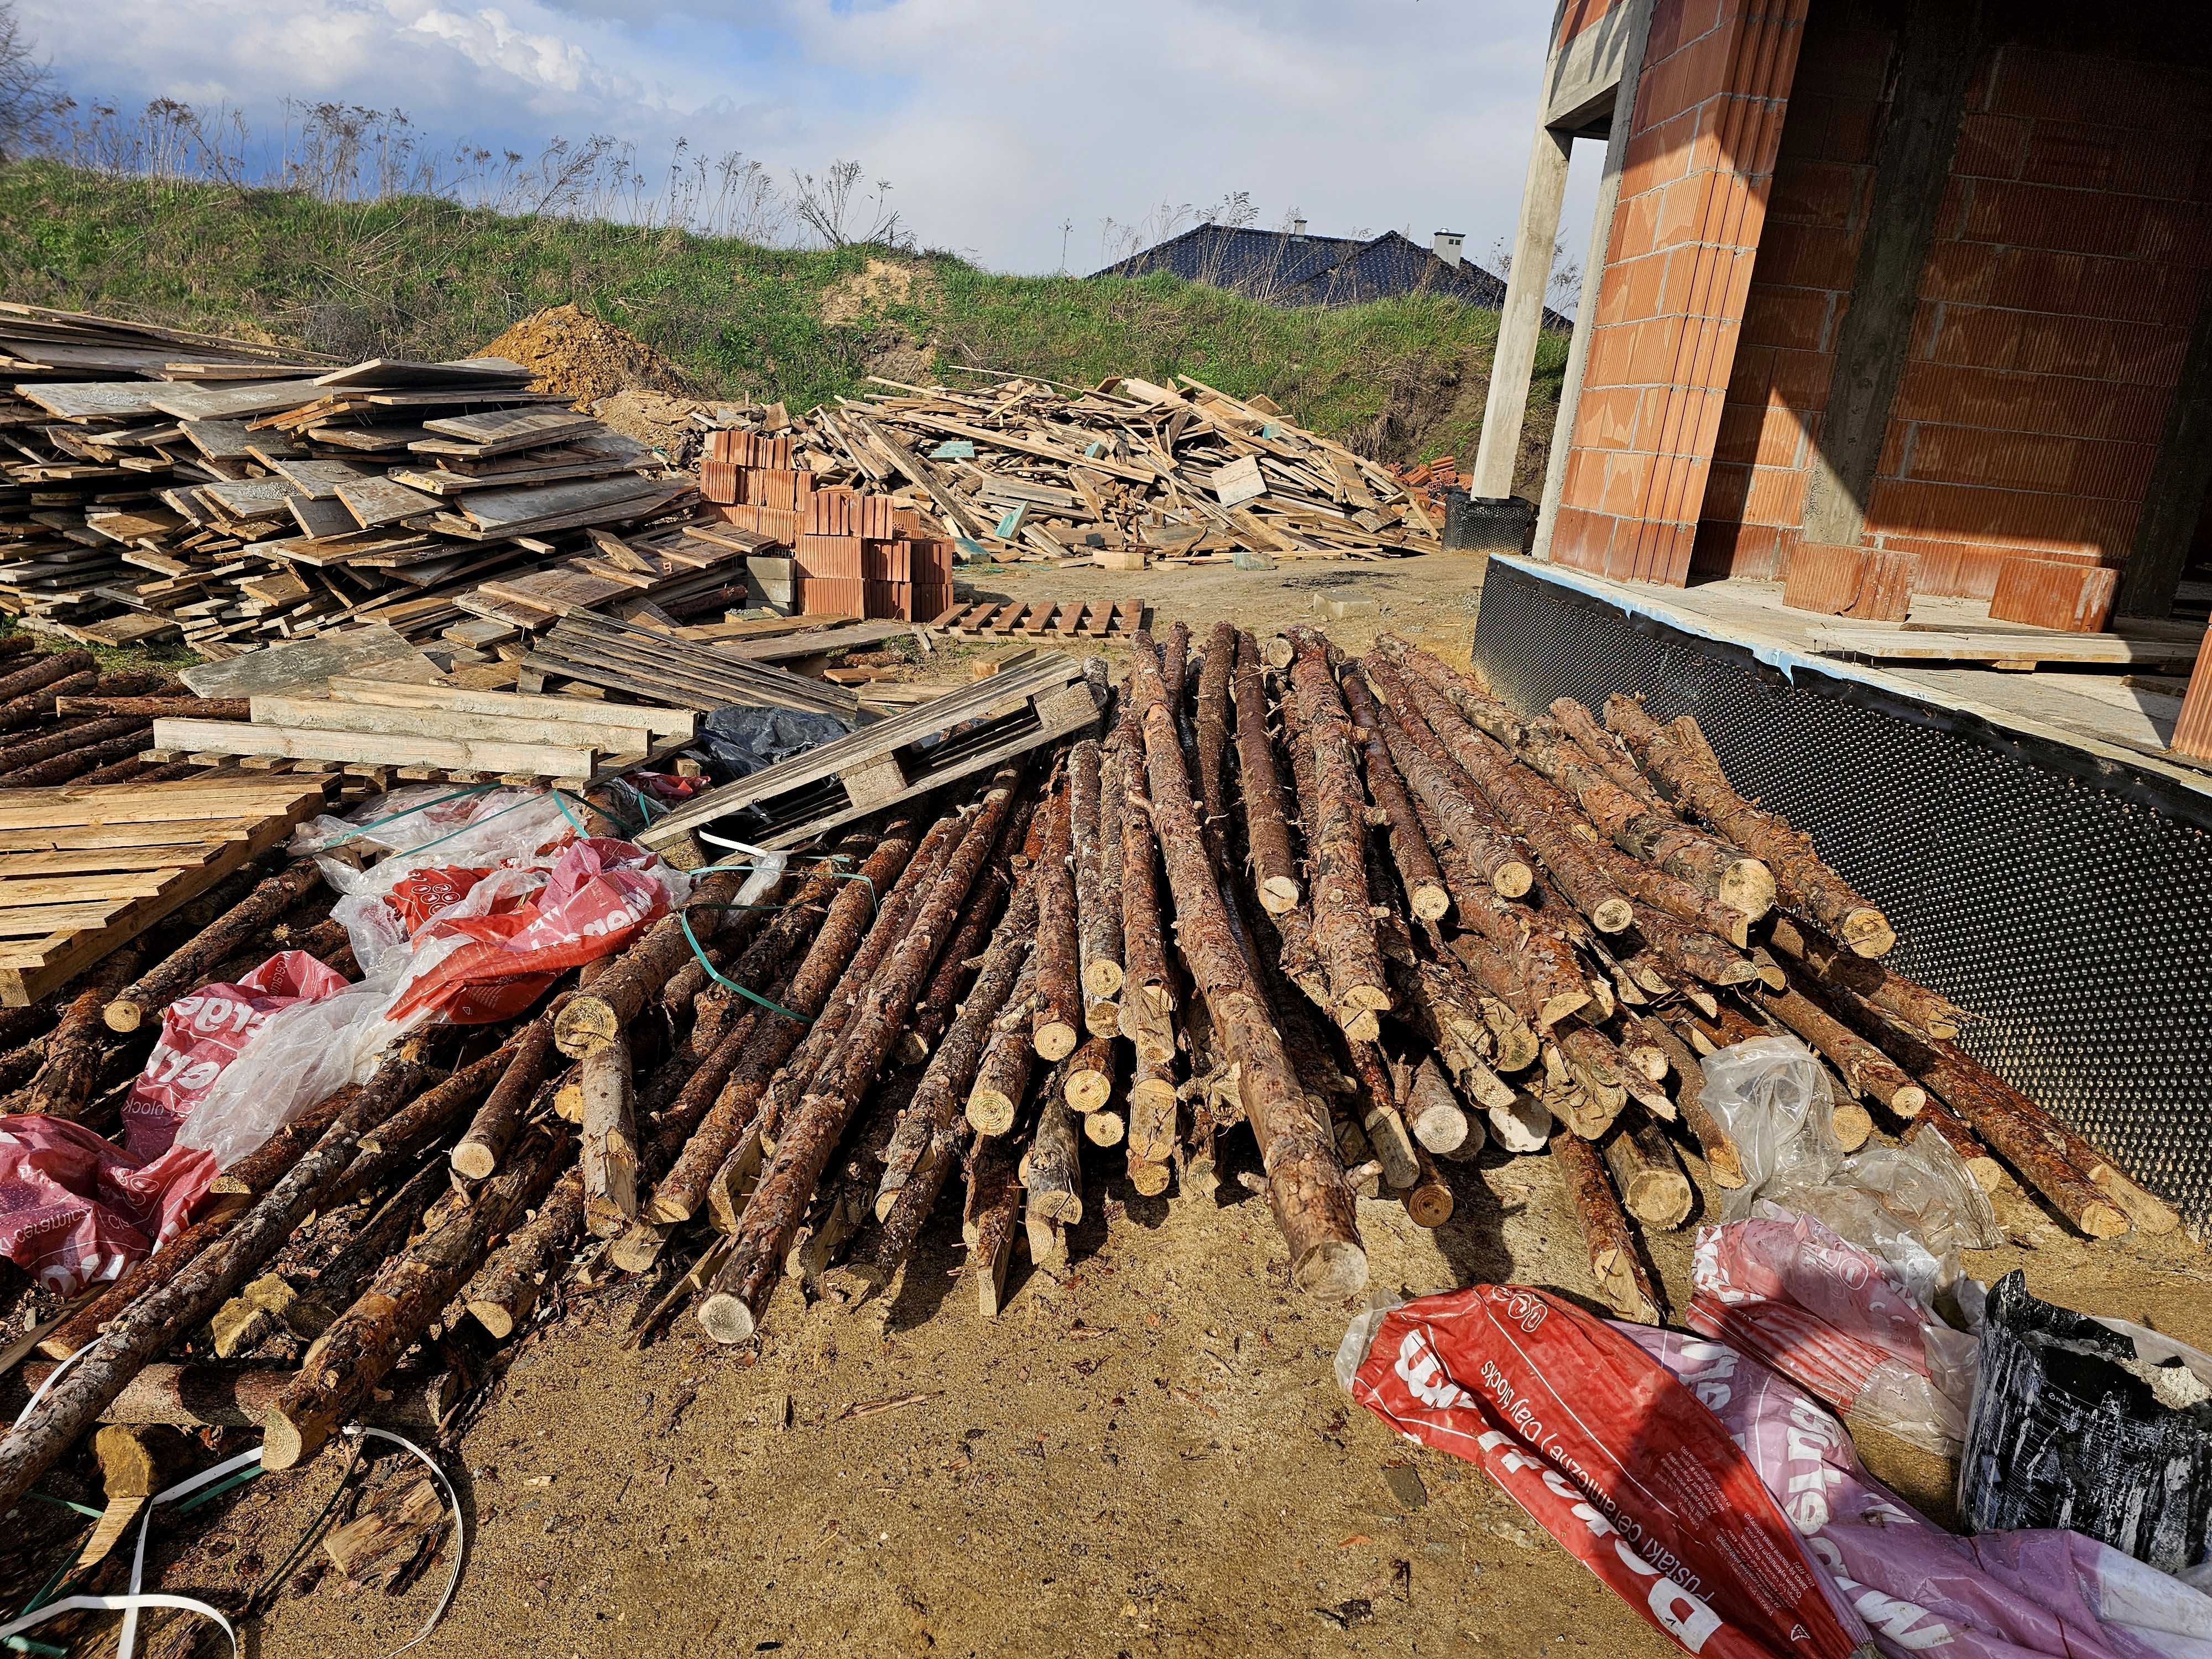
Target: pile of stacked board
(854, 553)
(158, 486)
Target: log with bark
(769, 1043)
(504, 1289)
(76, 1056)
(604, 1010)
(1147, 1005)
(1608, 752)
(1305, 1184)
(395, 1145)
(1098, 926)
(1443, 794)
(1051, 1167)
(607, 1152)
(238, 1395)
(1335, 819)
(1434, 1112)
(731, 1311)
(1057, 1023)
(1212, 722)
(346, 1362)
(179, 1302)
(1426, 894)
(1647, 1174)
(1721, 1156)
(1869, 1073)
(1622, 1281)
(1822, 959)
(991, 1213)
(186, 968)
(1090, 1079)
(1259, 787)
(492, 1129)
(1002, 1072)
(1678, 757)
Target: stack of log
(1116, 475)
(1314, 925)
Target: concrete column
(1522, 321)
(1939, 44)
(1608, 199)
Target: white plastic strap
(460, 1533)
(770, 872)
(52, 1377)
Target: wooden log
(1387, 1136)
(237, 1396)
(1678, 757)
(1097, 929)
(1622, 1282)
(73, 1058)
(1426, 894)
(1431, 999)
(1468, 820)
(1147, 1004)
(1002, 1072)
(1576, 874)
(394, 1146)
(1822, 959)
(769, 1042)
(1711, 869)
(971, 937)
(159, 708)
(1090, 1079)
(1217, 668)
(1869, 1073)
(1305, 1184)
(492, 1130)
(504, 1289)
(607, 1152)
(1057, 1023)
(992, 1210)
(1151, 1130)
(1647, 1174)
(1428, 1200)
(1692, 952)
(1336, 836)
(1051, 1168)
(1608, 752)
(731, 1310)
(186, 968)
(1585, 1055)
(1981, 1165)
(347, 1361)
(1721, 1156)
(1433, 1112)
(600, 1013)
(1260, 787)
(176, 1304)
(1525, 1126)
(74, 736)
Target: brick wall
(1579, 14)
(1672, 295)
(2070, 258)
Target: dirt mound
(884, 283)
(578, 355)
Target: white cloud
(996, 120)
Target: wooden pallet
(646, 662)
(978, 727)
(86, 868)
(1075, 619)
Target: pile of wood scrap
(157, 485)
(1334, 923)
(1119, 475)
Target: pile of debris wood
(157, 486)
(1117, 476)
(1261, 914)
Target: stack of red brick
(855, 555)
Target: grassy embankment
(418, 276)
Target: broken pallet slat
(563, 763)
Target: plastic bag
(76, 1209)
(2079, 1425)
(2045, 1594)
(1771, 1094)
(741, 741)
(1611, 1455)
(1834, 1316)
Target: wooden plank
(1903, 644)
(230, 403)
(494, 509)
(38, 920)
(381, 373)
(82, 887)
(564, 763)
(662, 723)
(373, 651)
(604, 736)
(93, 805)
(183, 856)
(375, 501)
(1239, 482)
(177, 837)
(499, 431)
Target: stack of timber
(1117, 476)
(158, 486)
(1263, 915)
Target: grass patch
(421, 277)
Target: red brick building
(1920, 275)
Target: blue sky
(996, 122)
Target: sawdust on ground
(580, 356)
(1149, 1458)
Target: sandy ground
(1149, 1458)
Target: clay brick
(1864, 583)
(835, 558)
(1963, 272)
(1792, 319)
(1962, 571)
(2040, 216)
(1776, 496)
(1724, 549)
(1655, 354)
(718, 481)
(2075, 598)
(825, 596)
(886, 562)
(1580, 539)
(1627, 482)
(1822, 193)
(1827, 126)
(1990, 147)
(1583, 485)
(2192, 731)
(1808, 256)
(2073, 346)
(1606, 417)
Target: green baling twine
(683, 920)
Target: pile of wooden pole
(1314, 925)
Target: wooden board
(605, 737)
(2012, 646)
(357, 652)
(565, 764)
(84, 870)
(375, 501)
(662, 723)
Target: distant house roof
(1288, 268)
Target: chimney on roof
(1447, 245)
(1297, 227)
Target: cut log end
(991, 1111)
(1613, 916)
(1512, 878)
(1088, 1090)
(1433, 903)
(1103, 1018)
(2103, 1220)
(1748, 886)
(727, 1318)
(639, 1246)
(584, 1025)
(122, 1016)
(2146, 1212)
(1360, 1025)
(1442, 1128)
(1428, 1205)
(1103, 1128)
(1103, 978)
(285, 1444)
(474, 1160)
(1910, 1101)
(1556, 1008)
(1279, 895)
(1868, 934)
(1149, 1180)
(1053, 1039)
(1335, 1268)
(1854, 1125)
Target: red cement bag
(1614, 1458)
